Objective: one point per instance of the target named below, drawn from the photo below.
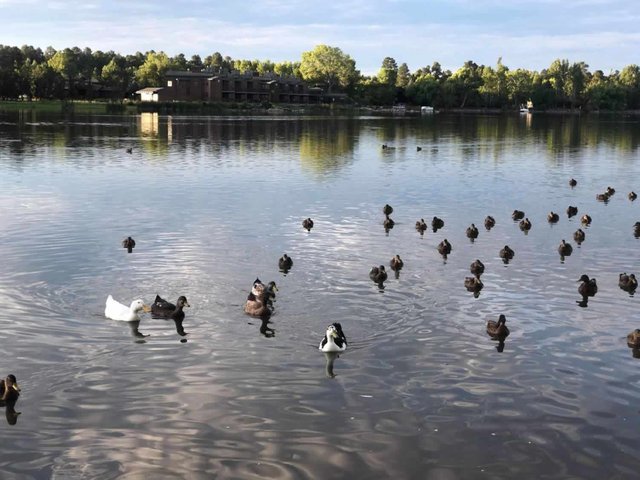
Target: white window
(169, 83)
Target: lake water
(422, 391)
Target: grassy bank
(62, 106)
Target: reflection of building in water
(148, 126)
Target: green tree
(404, 76)
(115, 74)
(463, 85)
(519, 86)
(151, 72)
(629, 79)
(65, 63)
(388, 73)
(328, 65)
(424, 90)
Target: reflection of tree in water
(326, 146)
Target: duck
(129, 243)
(573, 182)
(489, 222)
(421, 226)
(334, 339)
(418, 149)
(611, 191)
(628, 283)
(9, 389)
(444, 247)
(387, 209)
(477, 268)
(396, 263)
(572, 211)
(517, 215)
(129, 150)
(633, 339)
(473, 284)
(579, 236)
(498, 329)
(565, 249)
(378, 274)
(160, 308)
(285, 263)
(632, 196)
(602, 197)
(257, 304)
(506, 253)
(437, 223)
(472, 231)
(388, 223)
(588, 287)
(553, 217)
(585, 219)
(525, 225)
(636, 229)
(307, 223)
(117, 311)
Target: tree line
(29, 72)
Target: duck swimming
(636, 230)
(553, 217)
(473, 284)
(579, 236)
(572, 211)
(444, 248)
(307, 223)
(472, 232)
(9, 389)
(602, 197)
(378, 274)
(633, 339)
(387, 209)
(525, 225)
(573, 182)
(396, 263)
(421, 226)
(585, 219)
(437, 223)
(388, 223)
(259, 300)
(117, 311)
(160, 308)
(565, 249)
(506, 253)
(285, 263)
(498, 329)
(489, 222)
(611, 191)
(334, 339)
(517, 215)
(477, 268)
(628, 283)
(588, 287)
(129, 243)
(632, 196)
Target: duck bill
(146, 308)
(186, 304)
(16, 387)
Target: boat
(528, 108)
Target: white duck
(117, 311)
(334, 339)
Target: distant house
(210, 86)
(153, 94)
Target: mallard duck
(472, 231)
(632, 196)
(378, 274)
(588, 287)
(285, 263)
(611, 191)
(633, 339)
(553, 217)
(258, 300)
(579, 236)
(129, 243)
(444, 247)
(517, 215)
(477, 268)
(498, 329)
(9, 389)
(437, 223)
(387, 209)
(307, 223)
(129, 150)
(388, 223)
(396, 263)
(572, 211)
(473, 284)
(506, 253)
(489, 222)
(628, 283)
(525, 225)
(334, 339)
(573, 182)
(418, 149)
(117, 311)
(421, 226)
(585, 219)
(565, 249)
(602, 197)
(160, 308)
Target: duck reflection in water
(140, 337)
(9, 393)
(330, 357)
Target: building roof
(150, 90)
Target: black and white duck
(334, 339)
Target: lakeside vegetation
(73, 74)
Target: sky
(524, 33)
